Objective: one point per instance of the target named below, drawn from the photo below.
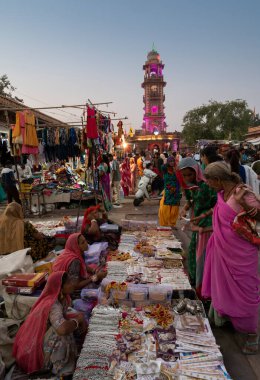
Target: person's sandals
(251, 345)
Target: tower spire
(153, 47)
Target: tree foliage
(5, 86)
(7, 89)
(217, 121)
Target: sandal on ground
(251, 346)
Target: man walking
(115, 178)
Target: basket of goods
(147, 250)
(117, 289)
(161, 314)
(120, 256)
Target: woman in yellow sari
(16, 234)
(170, 202)
(11, 229)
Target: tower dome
(153, 55)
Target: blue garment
(2, 194)
(242, 173)
(7, 178)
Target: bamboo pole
(51, 107)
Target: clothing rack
(24, 108)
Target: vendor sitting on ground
(45, 341)
(71, 261)
(16, 234)
(91, 227)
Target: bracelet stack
(252, 212)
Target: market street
(129, 190)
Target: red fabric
(245, 226)
(28, 344)
(70, 253)
(86, 220)
(126, 176)
(91, 127)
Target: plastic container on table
(138, 293)
(160, 293)
(119, 295)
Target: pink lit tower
(153, 84)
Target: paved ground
(239, 366)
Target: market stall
(149, 323)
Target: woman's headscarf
(170, 159)
(71, 252)
(28, 344)
(12, 229)
(125, 174)
(86, 219)
(192, 164)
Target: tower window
(154, 110)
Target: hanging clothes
(30, 139)
(72, 149)
(17, 132)
(91, 127)
(120, 129)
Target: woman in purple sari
(231, 268)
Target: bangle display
(77, 323)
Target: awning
(255, 141)
(3, 128)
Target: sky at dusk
(67, 51)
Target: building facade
(153, 135)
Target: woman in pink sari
(126, 176)
(231, 268)
(133, 170)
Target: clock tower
(153, 84)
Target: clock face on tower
(154, 88)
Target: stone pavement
(239, 366)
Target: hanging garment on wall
(17, 132)
(120, 129)
(91, 127)
(30, 137)
(72, 149)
